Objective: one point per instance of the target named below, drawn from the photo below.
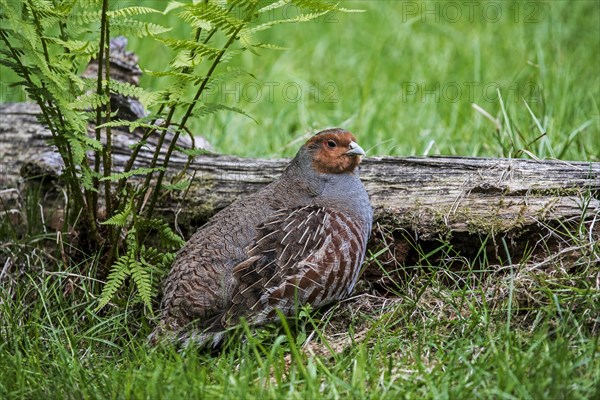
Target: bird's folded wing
(308, 255)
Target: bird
(301, 240)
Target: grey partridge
(300, 240)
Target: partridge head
(300, 240)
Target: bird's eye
(331, 144)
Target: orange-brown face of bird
(335, 152)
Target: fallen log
(420, 199)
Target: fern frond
(132, 264)
(229, 74)
(211, 108)
(166, 233)
(167, 258)
(121, 14)
(137, 171)
(157, 261)
(91, 142)
(145, 97)
(118, 273)
(192, 152)
(270, 24)
(77, 149)
(120, 218)
(316, 5)
(88, 4)
(132, 11)
(180, 76)
(194, 21)
(141, 278)
(87, 176)
(210, 16)
(273, 6)
(185, 59)
(151, 254)
(173, 94)
(198, 49)
(269, 46)
(181, 185)
(50, 18)
(243, 7)
(88, 101)
(75, 46)
(132, 243)
(12, 65)
(45, 9)
(133, 125)
(135, 28)
(173, 5)
(22, 30)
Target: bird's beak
(355, 150)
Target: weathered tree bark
(426, 198)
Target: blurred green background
(404, 75)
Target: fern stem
(190, 158)
(189, 111)
(107, 153)
(101, 54)
(40, 31)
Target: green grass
(433, 341)
(526, 331)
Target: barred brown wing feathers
(309, 255)
(275, 253)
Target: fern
(211, 15)
(88, 101)
(75, 46)
(198, 49)
(89, 17)
(193, 152)
(146, 97)
(131, 264)
(167, 236)
(270, 24)
(138, 171)
(180, 76)
(131, 11)
(132, 27)
(142, 279)
(139, 261)
(132, 125)
(181, 185)
(118, 273)
(122, 217)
